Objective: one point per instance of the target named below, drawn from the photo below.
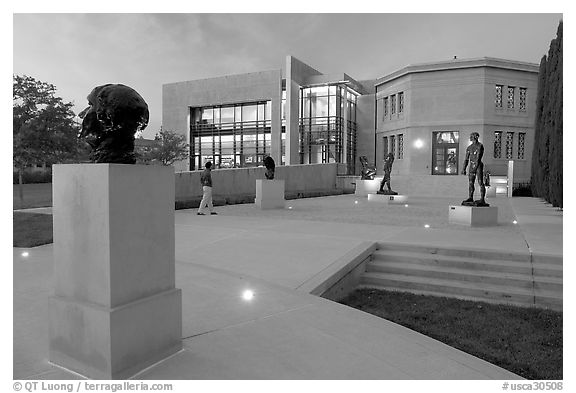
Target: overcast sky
(77, 52)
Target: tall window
(385, 108)
(509, 140)
(522, 103)
(511, 97)
(400, 146)
(521, 142)
(393, 145)
(384, 146)
(401, 102)
(393, 104)
(497, 144)
(498, 100)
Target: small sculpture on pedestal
(386, 180)
(474, 154)
(270, 167)
(368, 172)
(115, 114)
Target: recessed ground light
(406, 205)
(426, 226)
(25, 254)
(356, 202)
(248, 295)
(289, 207)
(514, 222)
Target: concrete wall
(364, 130)
(177, 98)
(238, 185)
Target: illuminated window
(511, 97)
(497, 144)
(498, 100)
(522, 99)
(521, 142)
(400, 146)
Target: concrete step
(455, 261)
(447, 251)
(463, 274)
(467, 289)
(547, 270)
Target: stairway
(490, 276)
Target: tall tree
(169, 148)
(547, 157)
(44, 130)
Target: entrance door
(445, 153)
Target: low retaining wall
(238, 185)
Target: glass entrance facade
(445, 152)
(324, 136)
(230, 136)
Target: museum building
(422, 113)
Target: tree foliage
(547, 157)
(44, 130)
(168, 148)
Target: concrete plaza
(283, 332)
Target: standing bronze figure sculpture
(368, 172)
(270, 167)
(386, 180)
(474, 154)
(115, 114)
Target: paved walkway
(283, 333)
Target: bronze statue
(368, 172)
(115, 114)
(474, 154)
(386, 180)
(270, 167)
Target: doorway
(445, 152)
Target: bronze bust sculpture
(115, 114)
(270, 167)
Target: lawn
(525, 341)
(35, 195)
(31, 229)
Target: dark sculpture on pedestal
(115, 114)
(270, 167)
(368, 172)
(386, 180)
(474, 154)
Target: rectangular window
(497, 144)
(521, 142)
(509, 141)
(385, 108)
(393, 104)
(384, 146)
(498, 100)
(522, 99)
(400, 103)
(400, 146)
(393, 145)
(511, 97)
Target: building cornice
(460, 64)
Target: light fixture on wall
(418, 143)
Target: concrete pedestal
(365, 187)
(388, 199)
(270, 194)
(115, 309)
(490, 192)
(473, 216)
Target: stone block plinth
(473, 216)
(270, 194)
(365, 187)
(388, 199)
(115, 309)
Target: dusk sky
(77, 52)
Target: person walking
(206, 180)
